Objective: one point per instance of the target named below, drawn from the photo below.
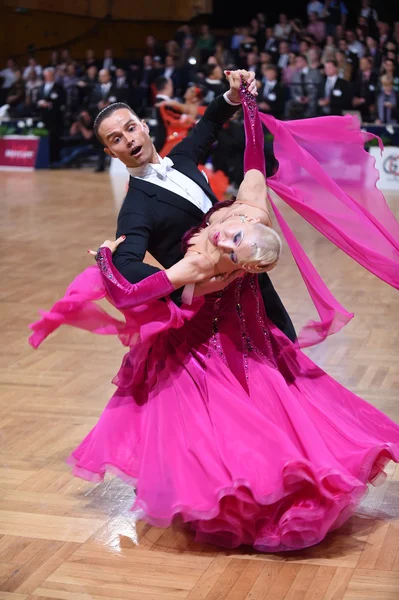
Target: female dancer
(218, 420)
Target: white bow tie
(164, 165)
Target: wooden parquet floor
(62, 538)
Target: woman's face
(234, 238)
(190, 95)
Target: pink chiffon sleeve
(79, 307)
(326, 176)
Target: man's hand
(215, 284)
(234, 78)
(112, 245)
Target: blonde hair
(267, 248)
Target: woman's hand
(234, 78)
(108, 244)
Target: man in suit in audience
(164, 91)
(365, 90)
(335, 92)
(51, 103)
(271, 95)
(104, 92)
(304, 90)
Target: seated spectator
(32, 64)
(271, 94)
(314, 55)
(86, 85)
(122, 86)
(265, 58)
(374, 52)
(253, 64)
(16, 96)
(290, 70)
(91, 60)
(334, 14)
(214, 83)
(153, 47)
(108, 62)
(54, 59)
(391, 69)
(257, 32)
(171, 71)
(316, 27)
(248, 43)
(315, 7)
(284, 55)
(103, 94)
(365, 90)
(298, 33)
(148, 74)
(283, 28)
(345, 68)
(354, 45)
(172, 48)
(183, 32)
(335, 92)
(387, 103)
(80, 143)
(32, 87)
(369, 14)
(8, 77)
(304, 90)
(271, 42)
(329, 49)
(205, 42)
(351, 58)
(51, 104)
(383, 33)
(223, 56)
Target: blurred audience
(332, 62)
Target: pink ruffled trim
(341, 493)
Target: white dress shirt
(269, 86)
(48, 87)
(164, 175)
(330, 83)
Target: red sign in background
(18, 151)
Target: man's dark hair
(333, 62)
(209, 69)
(161, 82)
(107, 112)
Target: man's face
(364, 64)
(92, 72)
(271, 75)
(330, 69)
(300, 63)
(48, 76)
(127, 138)
(104, 76)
